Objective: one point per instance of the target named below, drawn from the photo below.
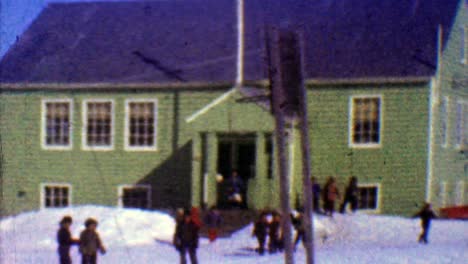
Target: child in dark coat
(274, 232)
(298, 224)
(316, 195)
(90, 243)
(426, 214)
(260, 232)
(65, 240)
(186, 238)
(351, 196)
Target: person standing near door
(235, 189)
(186, 238)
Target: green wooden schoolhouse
(146, 104)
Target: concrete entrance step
(232, 221)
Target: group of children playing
(271, 228)
(89, 242)
(330, 195)
(268, 225)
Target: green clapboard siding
(175, 170)
(449, 184)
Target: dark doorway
(236, 152)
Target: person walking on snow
(90, 243)
(426, 214)
(330, 195)
(195, 216)
(65, 240)
(186, 238)
(316, 195)
(213, 222)
(297, 221)
(260, 231)
(351, 195)
(274, 232)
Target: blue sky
(17, 15)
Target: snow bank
(117, 226)
(136, 236)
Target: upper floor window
(366, 124)
(98, 124)
(444, 121)
(56, 124)
(141, 125)
(461, 124)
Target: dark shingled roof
(196, 40)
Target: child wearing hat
(65, 240)
(90, 242)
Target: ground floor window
(55, 195)
(442, 193)
(135, 196)
(459, 192)
(368, 197)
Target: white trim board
(240, 42)
(212, 104)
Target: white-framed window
(459, 192)
(369, 197)
(464, 45)
(141, 124)
(444, 104)
(134, 196)
(56, 116)
(55, 195)
(98, 124)
(365, 123)
(461, 124)
(443, 193)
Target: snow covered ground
(135, 236)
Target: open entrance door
(236, 153)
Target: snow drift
(137, 236)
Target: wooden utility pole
(289, 101)
(306, 169)
(278, 107)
